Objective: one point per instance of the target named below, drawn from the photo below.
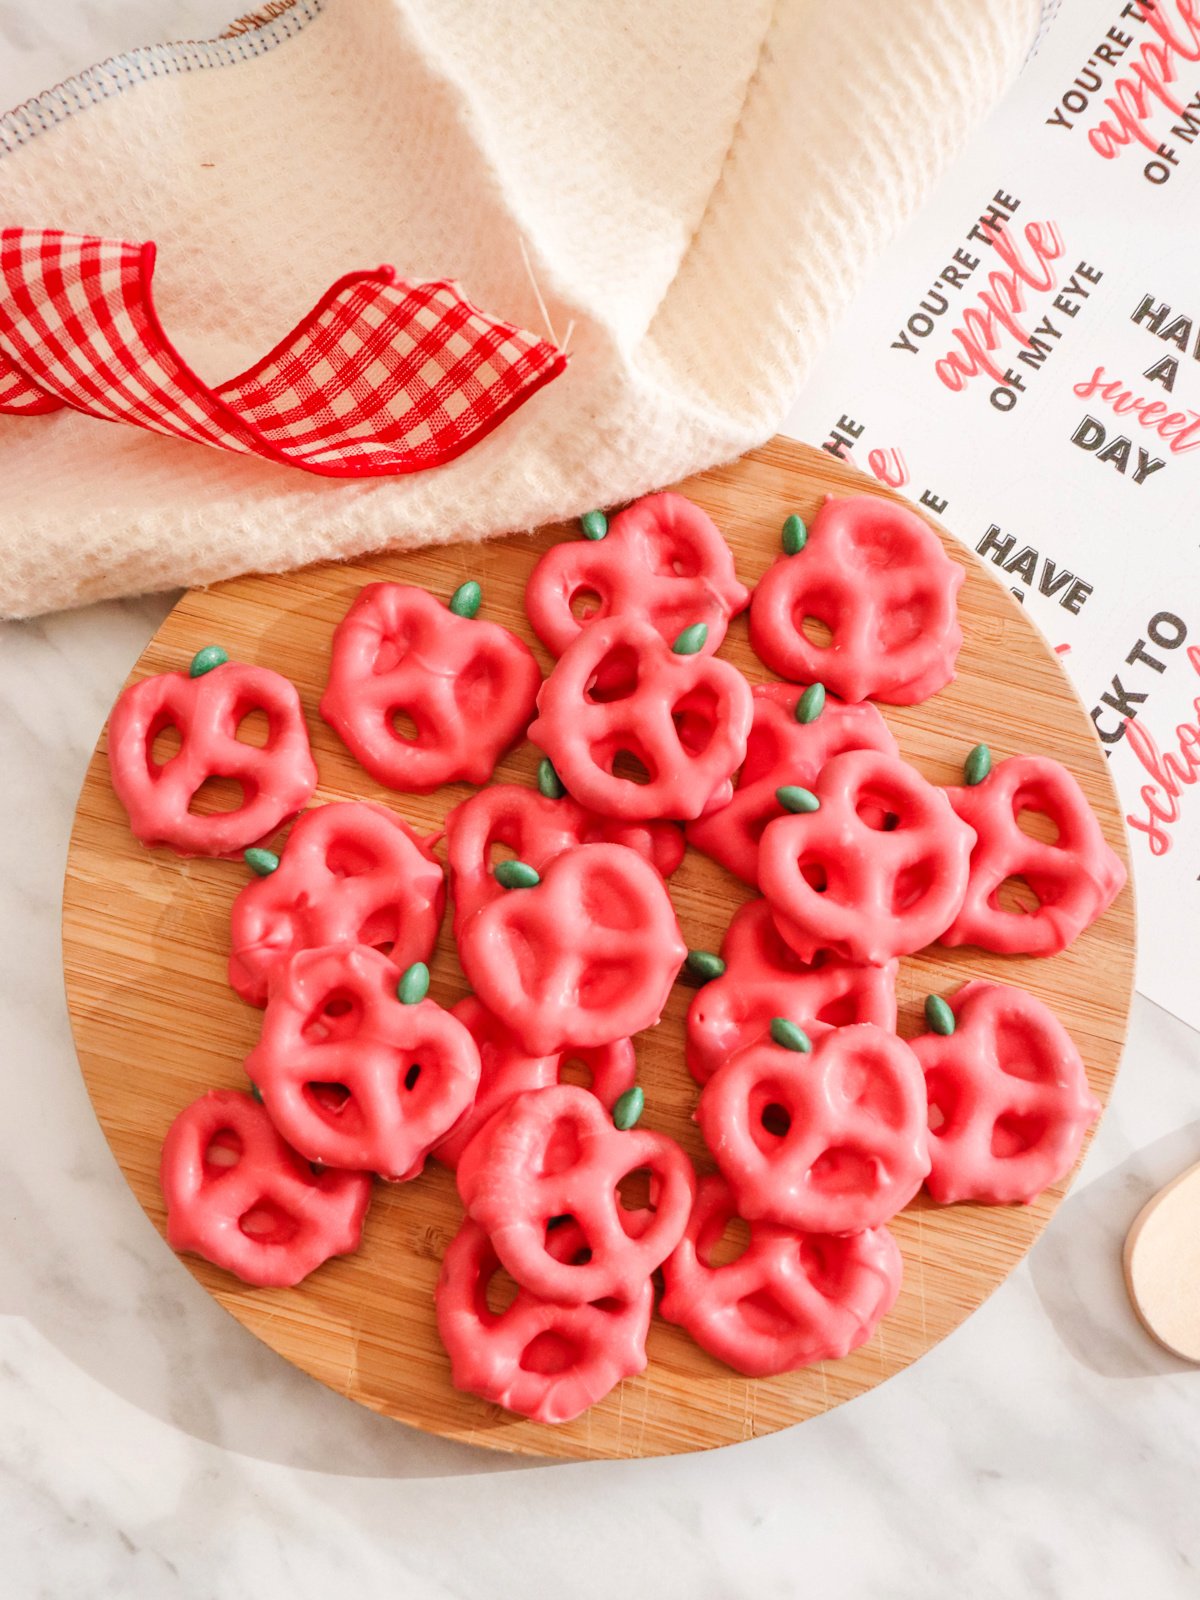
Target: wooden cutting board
(146, 941)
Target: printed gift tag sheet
(1025, 363)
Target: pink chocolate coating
(277, 778)
(832, 1141)
(880, 870)
(539, 1359)
(764, 978)
(556, 1153)
(243, 1199)
(585, 957)
(353, 1077)
(789, 1300)
(663, 559)
(1074, 879)
(879, 579)
(1009, 1101)
(781, 751)
(620, 690)
(469, 687)
(351, 873)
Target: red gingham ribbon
(381, 377)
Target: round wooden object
(1162, 1265)
(146, 939)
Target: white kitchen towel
(693, 188)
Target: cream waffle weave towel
(698, 186)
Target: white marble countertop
(150, 1447)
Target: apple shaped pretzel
(206, 706)
(507, 1069)
(539, 1359)
(240, 1197)
(1009, 1100)
(556, 1153)
(661, 559)
(783, 750)
(621, 692)
(1075, 879)
(831, 1139)
(585, 954)
(789, 1300)
(874, 867)
(468, 687)
(764, 978)
(350, 873)
(878, 578)
(352, 1074)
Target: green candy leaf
(465, 600)
(977, 765)
(939, 1015)
(256, 1093)
(628, 1109)
(594, 524)
(792, 798)
(264, 862)
(705, 965)
(795, 535)
(692, 640)
(548, 781)
(788, 1035)
(517, 875)
(811, 703)
(414, 984)
(205, 660)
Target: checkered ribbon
(381, 377)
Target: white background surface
(150, 1447)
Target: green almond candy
(795, 535)
(628, 1109)
(548, 781)
(517, 875)
(938, 1014)
(792, 798)
(692, 640)
(788, 1035)
(256, 1093)
(811, 703)
(205, 660)
(704, 965)
(414, 984)
(264, 862)
(466, 599)
(977, 765)
(594, 524)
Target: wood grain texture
(146, 942)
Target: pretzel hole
(267, 1224)
(412, 1076)
(216, 796)
(402, 725)
(499, 850)
(336, 1018)
(695, 718)
(380, 931)
(566, 1241)
(722, 1248)
(910, 885)
(1015, 896)
(874, 813)
(818, 633)
(775, 1119)
(548, 1354)
(762, 1313)
(1018, 1056)
(1014, 1134)
(839, 1012)
(254, 728)
(841, 1170)
(900, 625)
(827, 1264)
(224, 1150)
(585, 604)
(391, 652)
(562, 1148)
(937, 1117)
(1037, 825)
(576, 1071)
(165, 745)
(630, 768)
(328, 1098)
(499, 1292)
(346, 858)
(614, 677)
(477, 686)
(815, 876)
(602, 985)
(676, 561)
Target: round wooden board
(145, 939)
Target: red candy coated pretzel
(587, 956)
(351, 1075)
(206, 711)
(556, 1153)
(536, 830)
(620, 691)
(541, 1360)
(789, 1300)
(507, 1069)
(1009, 1099)
(468, 686)
(351, 873)
(878, 578)
(878, 871)
(779, 752)
(663, 560)
(1075, 879)
(240, 1197)
(764, 978)
(829, 1141)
